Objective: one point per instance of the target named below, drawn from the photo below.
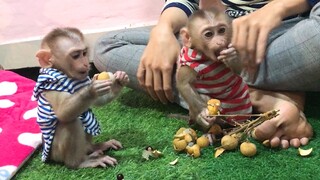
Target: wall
(24, 22)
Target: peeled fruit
(203, 141)
(105, 76)
(180, 130)
(304, 152)
(248, 149)
(193, 150)
(179, 144)
(229, 142)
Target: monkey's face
(213, 35)
(71, 57)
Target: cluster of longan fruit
(231, 142)
(186, 140)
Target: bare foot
(291, 127)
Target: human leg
(122, 50)
(293, 57)
(292, 63)
(290, 127)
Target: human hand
(250, 34)
(157, 63)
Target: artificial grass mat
(137, 121)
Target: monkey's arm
(185, 77)
(120, 80)
(68, 107)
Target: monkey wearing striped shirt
(65, 94)
(203, 68)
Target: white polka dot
(6, 103)
(30, 114)
(7, 171)
(0, 130)
(30, 139)
(8, 88)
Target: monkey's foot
(96, 154)
(103, 161)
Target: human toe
(284, 144)
(295, 142)
(275, 142)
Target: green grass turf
(137, 121)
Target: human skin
(156, 67)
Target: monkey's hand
(120, 80)
(101, 90)
(114, 144)
(231, 59)
(204, 120)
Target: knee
(315, 11)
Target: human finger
(149, 83)
(158, 87)
(240, 44)
(251, 46)
(141, 75)
(167, 85)
(261, 46)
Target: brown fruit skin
(229, 142)
(203, 141)
(248, 149)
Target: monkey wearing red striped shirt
(203, 72)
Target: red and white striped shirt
(217, 81)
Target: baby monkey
(202, 71)
(65, 93)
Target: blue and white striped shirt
(53, 79)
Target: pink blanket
(19, 132)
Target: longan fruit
(203, 141)
(229, 142)
(105, 76)
(248, 149)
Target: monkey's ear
(185, 36)
(44, 56)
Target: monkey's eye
(208, 34)
(84, 53)
(222, 30)
(75, 55)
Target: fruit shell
(304, 152)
